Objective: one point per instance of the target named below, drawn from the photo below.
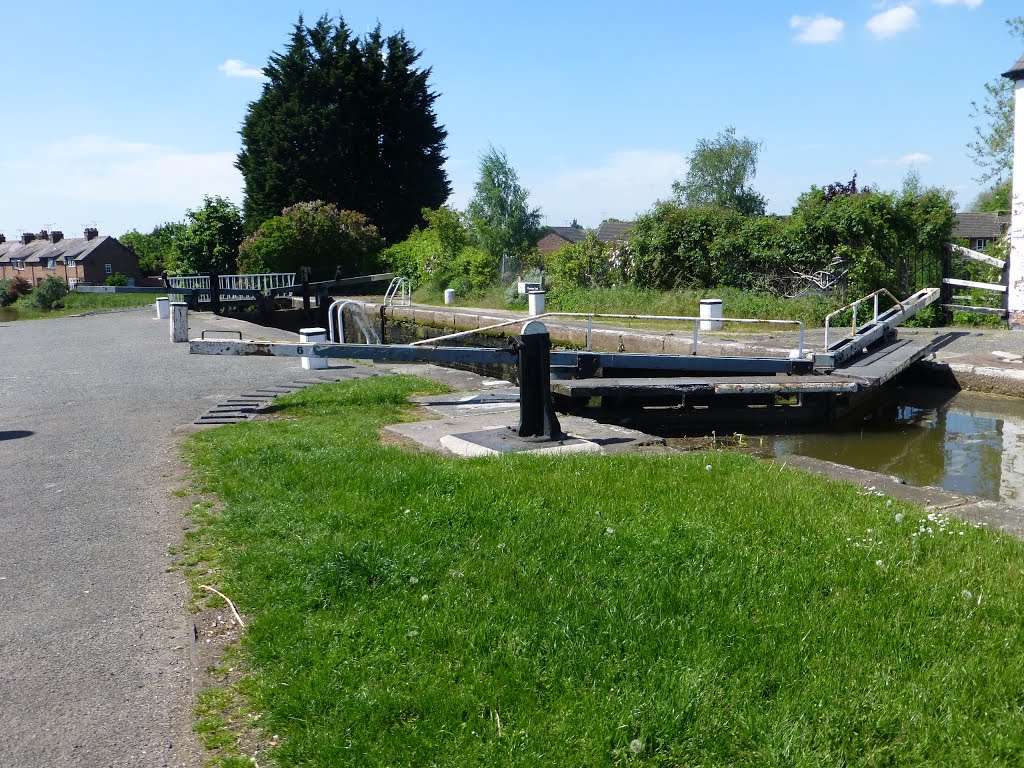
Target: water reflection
(964, 442)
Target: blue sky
(124, 115)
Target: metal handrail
(590, 325)
(401, 287)
(370, 335)
(853, 305)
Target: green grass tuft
(670, 610)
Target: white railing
(589, 317)
(336, 332)
(854, 326)
(229, 283)
(399, 293)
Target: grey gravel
(95, 641)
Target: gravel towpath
(94, 636)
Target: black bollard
(537, 418)
(214, 293)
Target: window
(18, 263)
(981, 243)
(49, 264)
(108, 268)
(69, 261)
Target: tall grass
(674, 610)
(628, 300)
(75, 303)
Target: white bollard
(712, 310)
(449, 295)
(163, 308)
(313, 336)
(535, 300)
(179, 321)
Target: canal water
(961, 441)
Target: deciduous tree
(500, 218)
(993, 149)
(720, 173)
(210, 239)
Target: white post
(179, 321)
(712, 310)
(449, 295)
(313, 336)
(1015, 265)
(163, 308)
(536, 300)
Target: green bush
(116, 279)
(586, 264)
(312, 234)
(49, 292)
(11, 290)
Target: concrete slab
(468, 431)
(499, 440)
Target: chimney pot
(56, 236)
(91, 233)
(3, 239)
(27, 237)
(43, 235)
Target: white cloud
(238, 68)
(629, 182)
(819, 29)
(123, 184)
(972, 4)
(892, 22)
(914, 158)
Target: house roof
(1016, 72)
(976, 224)
(613, 230)
(37, 251)
(570, 234)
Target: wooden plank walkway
(868, 372)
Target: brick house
(981, 230)
(90, 259)
(556, 238)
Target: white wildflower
(966, 595)
(708, 468)
(636, 746)
(413, 580)
(899, 517)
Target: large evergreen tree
(346, 120)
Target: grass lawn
(75, 303)
(407, 609)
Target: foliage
(49, 292)
(316, 235)
(210, 239)
(116, 279)
(664, 610)
(11, 290)
(347, 120)
(995, 199)
(585, 263)
(880, 239)
(442, 255)
(720, 173)
(993, 149)
(155, 250)
(883, 239)
(77, 303)
(499, 217)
